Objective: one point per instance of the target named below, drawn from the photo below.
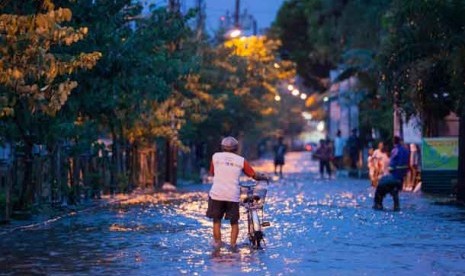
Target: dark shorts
(279, 161)
(223, 209)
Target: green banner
(440, 153)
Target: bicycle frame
(253, 204)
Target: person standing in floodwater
(392, 183)
(223, 199)
(338, 151)
(381, 163)
(324, 154)
(279, 151)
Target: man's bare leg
(217, 231)
(234, 234)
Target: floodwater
(319, 227)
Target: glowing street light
(303, 96)
(307, 115)
(277, 98)
(325, 99)
(235, 33)
(276, 65)
(295, 92)
(320, 126)
(290, 87)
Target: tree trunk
(85, 165)
(133, 167)
(168, 161)
(27, 186)
(59, 180)
(461, 167)
(54, 173)
(128, 165)
(154, 164)
(171, 162)
(174, 168)
(8, 178)
(113, 163)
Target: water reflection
(317, 227)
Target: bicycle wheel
(257, 239)
(250, 230)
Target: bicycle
(253, 200)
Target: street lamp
(235, 33)
(277, 98)
(303, 96)
(290, 87)
(307, 115)
(321, 126)
(295, 92)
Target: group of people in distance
(330, 154)
(392, 179)
(389, 173)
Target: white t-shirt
(383, 160)
(228, 167)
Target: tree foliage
(345, 35)
(423, 64)
(153, 80)
(29, 69)
(422, 54)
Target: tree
(243, 74)
(35, 80)
(298, 42)
(423, 64)
(324, 35)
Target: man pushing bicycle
(226, 167)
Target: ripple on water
(317, 227)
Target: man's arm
(212, 169)
(393, 159)
(248, 170)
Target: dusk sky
(264, 11)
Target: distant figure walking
(392, 183)
(279, 152)
(324, 154)
(339, 143)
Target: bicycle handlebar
(253, 184)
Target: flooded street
(323, 227)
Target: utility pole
(200, 19)
(461, 166)
(171, 149)
(398, 129)
(173, 6)
(236, 14)
(254, 26)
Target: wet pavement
(319, 227)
